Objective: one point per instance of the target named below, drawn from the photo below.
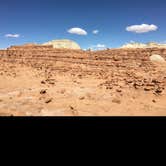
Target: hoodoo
(69, 44)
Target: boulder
(157, 58)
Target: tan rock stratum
(44, 81)
(65, 43)
(142, 45)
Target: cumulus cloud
(143, 28)
(95, 32)
(77, 31)
(98, 47)
(12, 35)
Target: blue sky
(42, 20)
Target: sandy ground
(24, 91)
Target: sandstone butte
(45, 81)
(68, 44)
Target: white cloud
(143, 28)
(98, 47)
(77, 31)
(95, 32)
(12, 35)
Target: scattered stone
(119, 90)
(51, 83)
(136, 86)
(155, 81)
(62, 91)
(154, 101)
(43, 82)
(129, 81)
(109, 87)
(115, 100)
(48, 100)
(43, 91)
(158, 91)
(151, 84)
(81, 98)
(80, 76)
(148, 88)
(74, 111)
(72, 108)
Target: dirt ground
(26, 91)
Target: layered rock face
(68, 44)
(119, 68)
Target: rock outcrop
(118, 67)
(30, 46)
(157, 58)
(68, 44)
(141, 45)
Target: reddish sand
(77, 83)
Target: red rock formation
(118, 67)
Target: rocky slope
(47, 81)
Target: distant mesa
(28, 46)
(59, 44)
(65, 43)
(142, 45)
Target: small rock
(43, 82)
(62, 91)
(109, 87)
(80, 76)
(52, 83)
(43, 91)
(129, 81)
(154, 101)
(72, 108)
(74, 111)
(150, 84)
(48, 100)
(158, 90)
(81, 98)
(115, 100)
(136, 86)
(148, 89)
(119, 90)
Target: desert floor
(24, 91)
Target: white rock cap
(157, 58)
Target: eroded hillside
(40, 80)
